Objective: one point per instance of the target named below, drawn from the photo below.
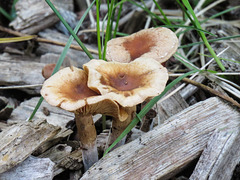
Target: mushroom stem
(119, 126)
(87, 136)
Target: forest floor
(209, 97)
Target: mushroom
(128, 84)
(158, 43)
(68, 90)
(48, 70)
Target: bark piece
(32, 168)
(164, 151)
(73, 161)
(48, 144)
(171, 106)
(20, 72)
(220, 157)
(56, 116)
(33, 16)
(56, 154)
(3, 126)
(20, 140)
(79, 57)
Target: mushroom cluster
(111, 88)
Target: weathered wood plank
(171, 106)
(164, 151)
(33, 16)
(53, 141)
(57, 154)
(79, 57)
(20, 140)
(220, 157)
(31, 168)
(20, 72)
(53, 115)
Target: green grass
(111, 32)
(196, 23)
(10, 16)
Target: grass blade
(220, 13)
(8, 16)
(143, 112)
(163, 14)
(148, 11)
(202, 35)
(16, 39)
(13, 9)
(98, 29)
(108, 30)
(184, 61)
(70, 29)
(117, 21)
(188, 28)
(211, 40)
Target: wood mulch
(191, 133)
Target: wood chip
(57, 116)
(171, 106)
(79, 57)
(164, 151)
(31, 168)
(20, 140)
(43, 169)
(20, 72)
(57, 154)
(33, 16)
(220, 157)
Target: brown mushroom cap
(127, 83)
(157, 43)
(48, 70)
(68, 90)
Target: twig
(212, 91)
(225, 74)
(21, 86)
(92, 20)
(149, 18)
(43, 40)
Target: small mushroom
(68, 90)
(48, 70)
(157, 43)
(128, 84)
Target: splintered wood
(34, 19)
(20, 140)
(220, 156)
(31, 168)
(166, 150)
